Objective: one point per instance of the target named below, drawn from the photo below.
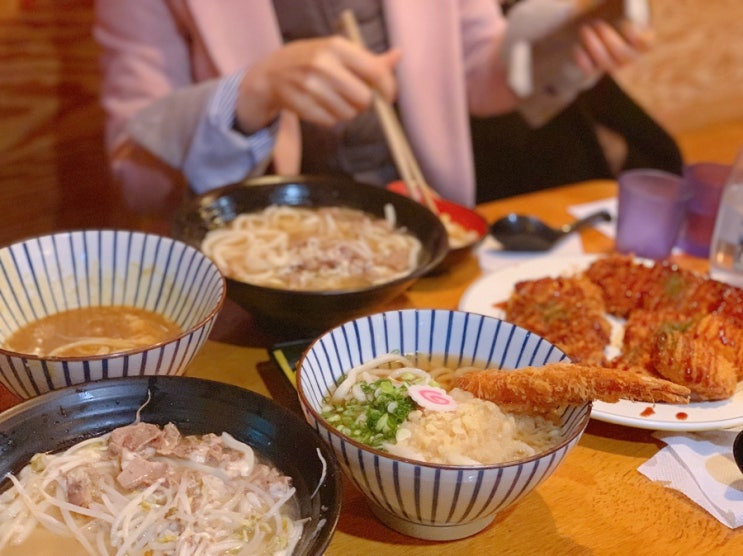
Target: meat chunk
(80, 486)
(137, 471)
(133, 437)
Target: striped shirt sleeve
(219, 153)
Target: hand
(324, 81)
(604, 48)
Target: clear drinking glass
(707, 181)
(726, 251)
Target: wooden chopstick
(402, 153)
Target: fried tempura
(628, 285)
(552, 307)
(704, 353)
(540, 390)
(680, 326)
(641, 336)
(724, 334)
(698, 358)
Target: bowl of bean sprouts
(163, 465)
(304, 253)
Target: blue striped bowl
(431, 501)
(48, 274)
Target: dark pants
(513, 158)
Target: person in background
(595, 133)
(219, 91)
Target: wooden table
(595, 503)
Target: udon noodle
(92, 331)
(142, 490)
(406, 406)
(325, 248)
(459, 236)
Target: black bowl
(310, 312)
(57, 420)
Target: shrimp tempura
(540, 390)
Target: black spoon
(738, 450)
(516, 232)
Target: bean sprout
(145, 490)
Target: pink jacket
(161, 50)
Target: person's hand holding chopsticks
(407, 164)
(324, 81)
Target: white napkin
(491, 256)
(610, 205)
(701, 466)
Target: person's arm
(151, 101)
(557, 48)
(195, 130)
(215, 131)
(484, 30)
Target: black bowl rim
(276, 181)
(319, 538)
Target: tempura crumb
(477, 432)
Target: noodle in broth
(141, 490)
(92, 331)
(459, 236)
(374, 404)
(325, 248)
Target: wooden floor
(53, 172)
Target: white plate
(491, 289)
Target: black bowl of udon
(279, 439)
(288, 303)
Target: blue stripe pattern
(431, 495)
(57, 272)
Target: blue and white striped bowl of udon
(68, 270)
(431, 501)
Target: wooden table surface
(53, 175)
(595, 503)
